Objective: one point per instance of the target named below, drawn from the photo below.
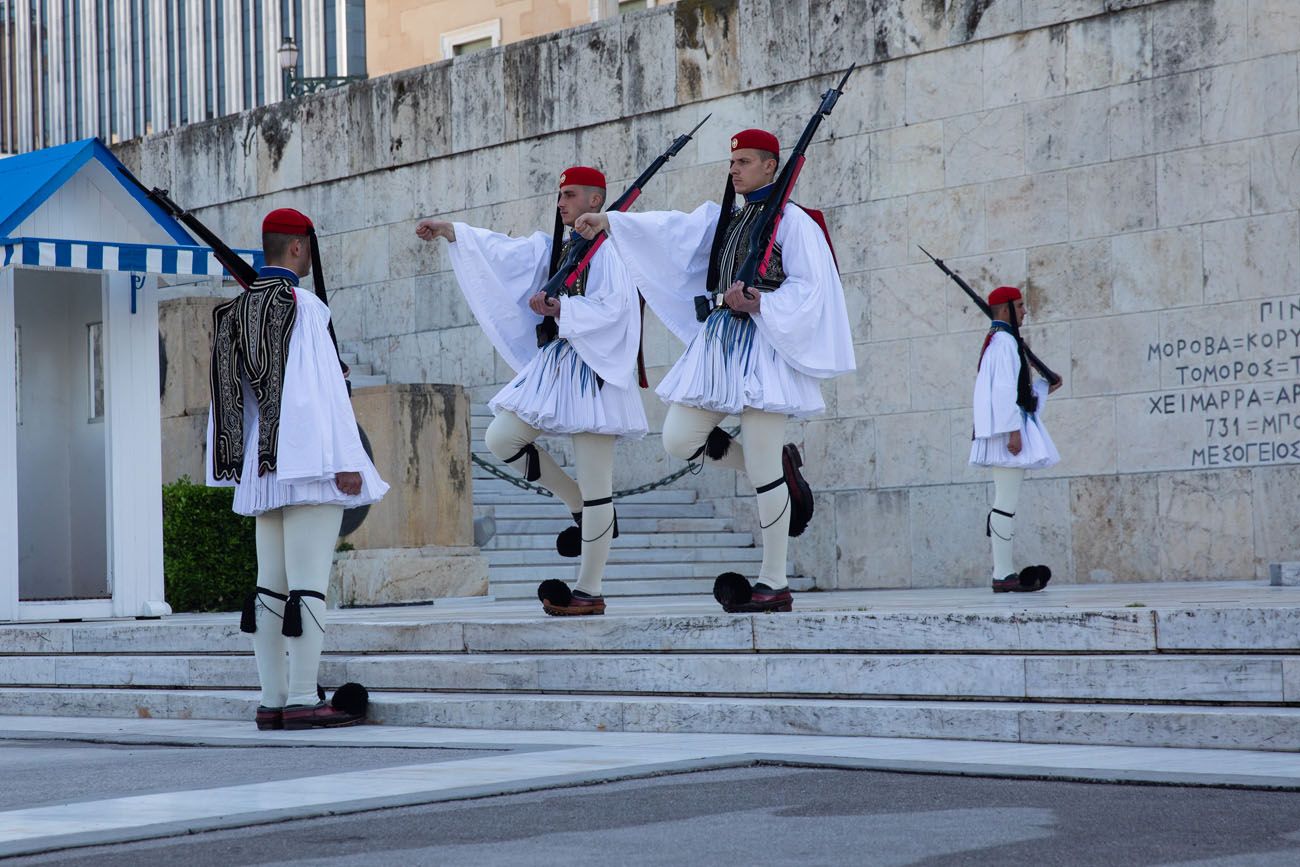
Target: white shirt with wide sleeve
(584, 382)
(803, 332)
(997, 415)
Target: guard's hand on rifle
(543, 306)
(348, 483)
(591, 225)
(742, 298)
(429, 229)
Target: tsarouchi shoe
(737, 596)
(1028, 580)
(269, 718)
(347, 707)
(559, 601)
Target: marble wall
(1135, 164)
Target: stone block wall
(1134, 163)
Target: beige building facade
(403, 34)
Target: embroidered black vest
(735, 247)
(250, 341)
(547, 329)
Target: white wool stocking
(507, 435)
(310, 536)
(595, 457)
(1002, 529)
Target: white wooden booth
(81, 252)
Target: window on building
(472, 46)
(331, 41)
(468, 40)
(625, 6)
(356, 37)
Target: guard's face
(750, 171)
(575, 200)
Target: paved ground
(766, 815)
(71, 782)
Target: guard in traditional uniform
(1009, 436)
(575, 363)
(758, 352)
(282, 433)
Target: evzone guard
(1009, 436)
(757, 351)
(575, 362)
(281, 431)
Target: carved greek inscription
(1242, 387)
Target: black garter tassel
(717, 443)
(248, 619)
(293, 612)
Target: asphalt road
(772, 815)
(38, 773)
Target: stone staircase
(669, 542)
(1223, 678)
(360, 373)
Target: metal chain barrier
(519, 482)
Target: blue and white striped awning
(134, 258)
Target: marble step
(626, 511)
(1137, 725)
(619, 554)
(545, 542)
(1002, 630)
(551, 526)
(612, 588)
(362, 381)
(1193, 679)
(679, 584)
(508, 493)
(634, 571)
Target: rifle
(580, 253)
(762, 238)
(1051, 376)
(243, 272)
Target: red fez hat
(758, 139)
(1004, 295)
(582, 176)
(287, 221)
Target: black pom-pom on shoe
(351, 698)
(732, 589)
(554, 591)
(1033, 578)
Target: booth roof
(28, 180)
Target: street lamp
(297, 85)
(288, 63)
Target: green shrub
(209, 552)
